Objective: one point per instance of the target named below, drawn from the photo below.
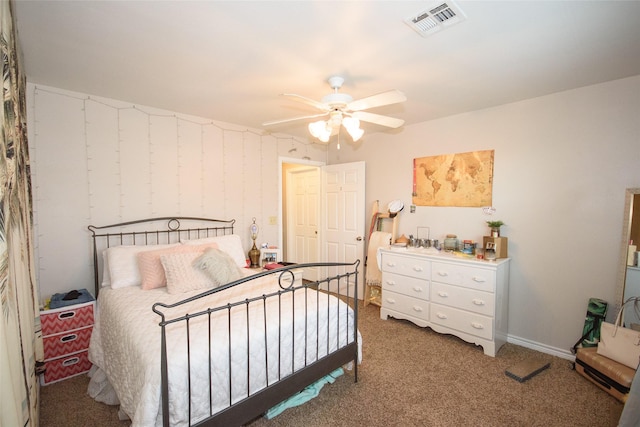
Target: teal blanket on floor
(305, 395)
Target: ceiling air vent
(437, 16)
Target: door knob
(359, 238)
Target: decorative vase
(254, 256)
(495, 231)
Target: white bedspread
(126, 345)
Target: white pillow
(230, 243)
(106, 279)
(219, 266)
(123, 263)
(181, 275)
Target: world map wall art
(462, 179)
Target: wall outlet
(273, 220)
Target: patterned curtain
(20, 341)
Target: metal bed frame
(253, 404)
(169, 231)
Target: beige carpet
(409, 377)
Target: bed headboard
(152, 231)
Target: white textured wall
(562, 164)
(101, 161)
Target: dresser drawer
(406, 305)
(65, 367)
(464, 298)
(417, 288)
(406, 266)
(473, 277)
(66, 318)
(66, 342)
(464, 321)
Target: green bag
(596, 312)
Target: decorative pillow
(181, 275)
(151, 270)
(230, 243)
(123, 263)
(219, 266)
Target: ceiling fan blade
(316, 104)
(293, 119)
(384, 98)
(378, 119)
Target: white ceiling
(229, 60)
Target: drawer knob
(443, 273)
(391, 282)
(70, 337)
(477, 325)
(66, 315)
(417, 308)
(391, 301)
(478, 302)
(417, 288)
(441, 316)
(417, 268)
(71, 361)
(391, 264)
(443, 294)
(479, 279)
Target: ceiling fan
(342, 109)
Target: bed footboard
(260, 402)
(227, 364)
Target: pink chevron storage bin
(66, 367)
(66, 334)
(66, 318)
(66, 342)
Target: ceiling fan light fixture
(342, 110)
(356, 134)
(352, 125)
(325, 136)
(335, 119)
(316, 128)
(320, 130)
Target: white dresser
(450, 294)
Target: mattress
(125, 345)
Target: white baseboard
(554, 351)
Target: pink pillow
(150, 265)
(181, 275)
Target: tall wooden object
(372, 293)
